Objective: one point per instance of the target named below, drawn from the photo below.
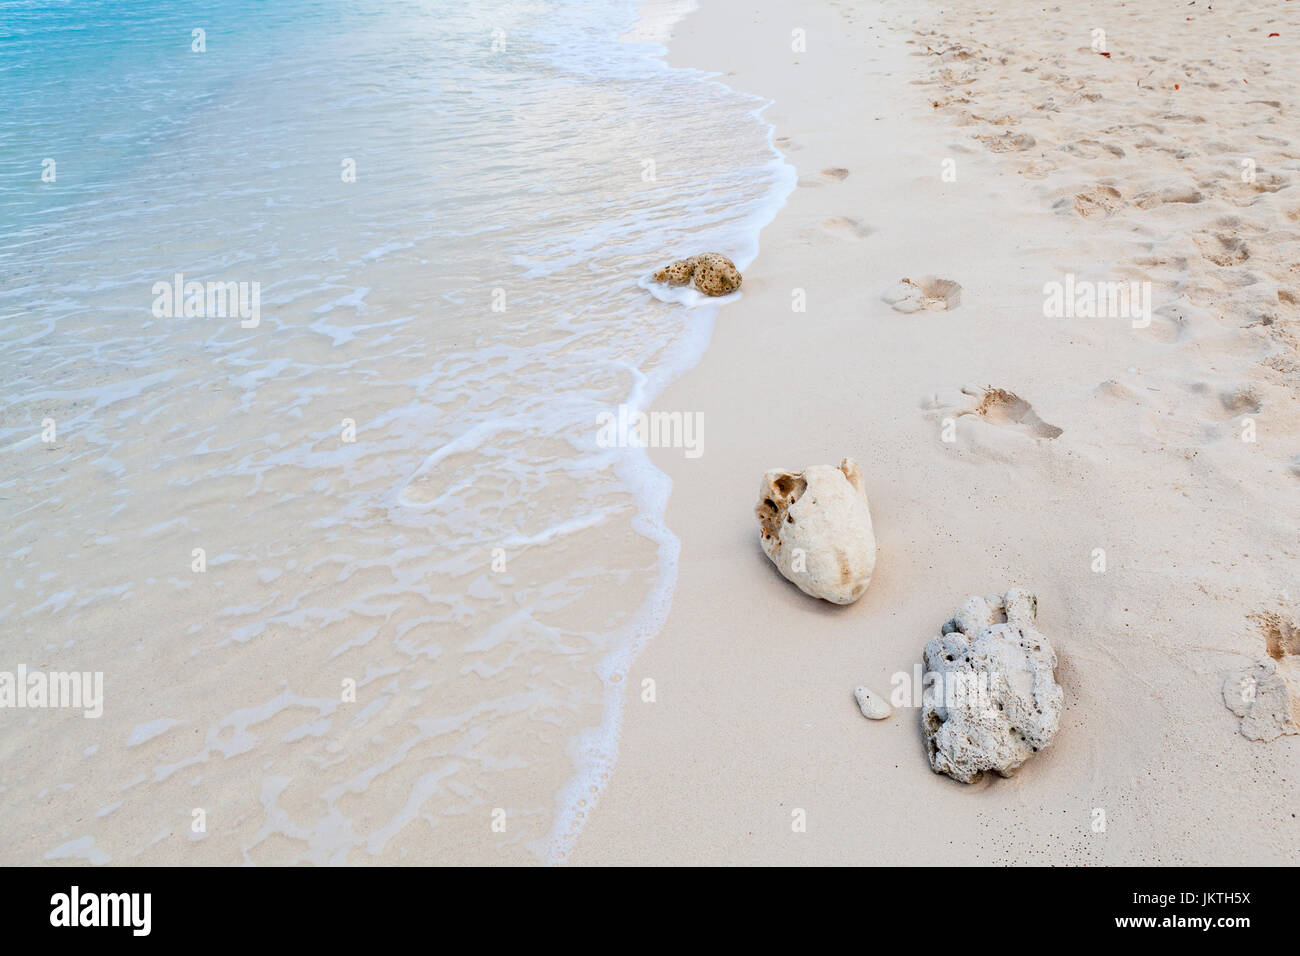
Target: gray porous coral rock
(711, 273)
(816, 527)
(993, 701)
(1264, 695)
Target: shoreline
(601, 746)
(377, 536)
(753, 715)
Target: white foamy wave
(656, 20)
(685, 295)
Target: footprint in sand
(1117, 393)
(843, 227)
(1173, 194)
(997, 406)
(1098, 202)
(1247, 194)
(1223, 249)
(1281, 633)
(928, 292)
(1240, 400)
(1197, 415)
(1224, 242)
(1008, 142)
(1038, 169)
(827, 177)
(1092, 149)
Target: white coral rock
(994, 701)
(872, 707)
(816, 527)
(1264, 696)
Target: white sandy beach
(363, 575)
(1126, 167)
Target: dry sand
(1125, 167)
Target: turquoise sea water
(468, 557)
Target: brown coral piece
(711, 273)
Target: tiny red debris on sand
(1106, 55)
(1275, 34)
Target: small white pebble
(873, 707)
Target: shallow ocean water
(421, 576)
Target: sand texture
(1133, 460)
